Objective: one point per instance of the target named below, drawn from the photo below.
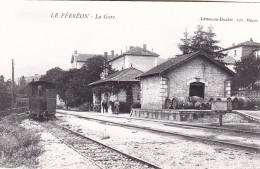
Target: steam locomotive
(42, 99)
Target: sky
(38, 42)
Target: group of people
(114, 106)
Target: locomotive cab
(42, 99)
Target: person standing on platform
(104, 104)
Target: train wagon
(42, 99)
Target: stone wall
(169, 114)
(151, 96)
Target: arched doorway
(197, 89)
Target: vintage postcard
(121, 84)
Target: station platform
(252, 115)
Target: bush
(18, 146)
(136, 105)
(85, 107)
(97, 108)
(60, 106)
(124, 107)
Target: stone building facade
(195, 74)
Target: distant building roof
(29, 79)
(125, 75)
(246, 43)
(82, 57)
(176, 61)
(136, 51)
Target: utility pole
(12, 83)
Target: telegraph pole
(12, 83)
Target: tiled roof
(176, 61)
(246, 43)
(125, 75)
(136, 51)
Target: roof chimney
(144, 46)
(131, 47)
(251, 39)
(233, 44)
(76, 52)
(105, 55)
(112, 53)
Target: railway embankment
(56, 154)
(19, 146)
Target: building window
(235, 52)
(138, 96)
(228, 83)
(228, 89)
(164, 90)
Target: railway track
(103, 156)
(198, 138)
(185, 125)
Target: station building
(122, 87)
(194, 74)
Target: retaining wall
(168, 114)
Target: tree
(73, 86)
(185, 46)
(5, 97)
(201, 40)
(248, 71)
(52, 75)
(22, 81)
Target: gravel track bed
(164, 151)
(233, 137)
(57, 155)
(101, 155)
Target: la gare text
(67, 15)
(228, 19)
